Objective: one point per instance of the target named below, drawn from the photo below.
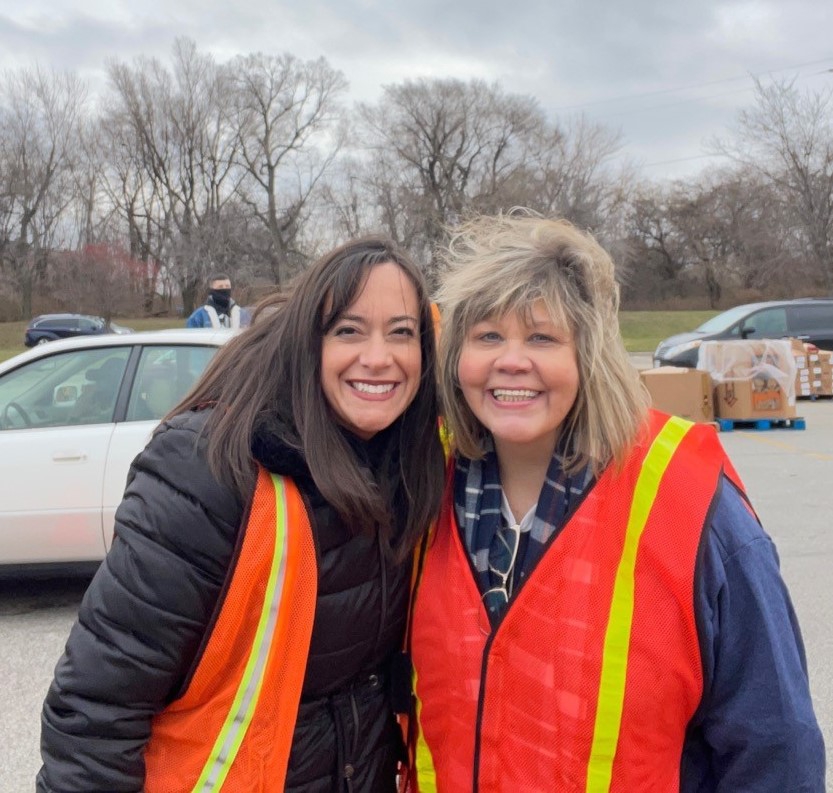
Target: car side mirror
(747, 332)
(65, 395)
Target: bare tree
(762, 254)
(99, 279)
(573, 177)
(787, 138)
(93, 216)
(345, 201)
(286, 116)
(725, 231)
(703, 234)
(440, 149)
(655, 257)
(179, 122)
(39, 114)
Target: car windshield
(724, 320)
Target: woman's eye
(344, 330)
(489, 335)
(541, 338)
(406, 331)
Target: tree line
(127, 200)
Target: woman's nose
(513, 358)
(375, 353)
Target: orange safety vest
(232, 729)
(591, 677)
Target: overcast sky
(669, 74)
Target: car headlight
(679, 349)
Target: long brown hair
(273, 368)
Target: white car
(73, 415)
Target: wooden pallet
(727, 425)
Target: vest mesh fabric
(549, 664)
(275, 566)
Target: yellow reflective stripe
(426, 775)
(617, 637)
(242, 709)
(445, 440)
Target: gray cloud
(665, 73)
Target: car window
(769, 323)
(811, 317)
(165, 374)
(52, 324)
(85, 323)
(70, 388)
(721, 322)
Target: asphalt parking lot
(789, 477)
(788, 474)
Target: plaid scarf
(477, 503)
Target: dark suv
(809, 319)
(49, 327)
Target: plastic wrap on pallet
(750, 359)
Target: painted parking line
(788, 447)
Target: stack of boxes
(814, 372)
(804, 382)
(826, 373)
(742, 380)
(753, 379)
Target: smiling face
(371, 359)
(519, 376)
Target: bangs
(348, 282)
(486, 304)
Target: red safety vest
(591, 677)
(232, 729)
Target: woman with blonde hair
(598, 608)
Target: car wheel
(43, 340)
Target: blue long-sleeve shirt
(755, 729)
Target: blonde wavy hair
(496, 265)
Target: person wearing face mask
(220, 310)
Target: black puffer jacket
(143, 619)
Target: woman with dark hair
(243, 631)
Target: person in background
(599, 608)
(220, 310)
(245, 629)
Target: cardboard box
(759, 376)
(681, 392)
(755, 398)
(797, 346)
(814, 372)
(741, 360)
